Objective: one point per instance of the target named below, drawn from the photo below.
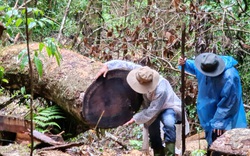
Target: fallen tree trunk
(66, 86)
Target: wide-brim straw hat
(210, 64)
(143, 80)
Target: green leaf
(32, 25)
(58, 58)
(9, 22)
(41, 24)
(39, 123)
(41, 45)
(1, 72)
(23, 90)
(135, 143)
(39, 65)
(2, 8)
(25, 61)
(53, 124)
(5, 81)
(41, 118)
(29, 10)
(47, 21)
(48, 51)
(12, 12)
(38, 12)
(198, 152)
(18, 22)
(22, 53)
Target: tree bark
(233, 142)
(65, 84)
(104, 103)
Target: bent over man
(162, 104)
(219, 104)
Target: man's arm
(116, 64)
(189, 65)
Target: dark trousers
(209, 153)
(168, 119)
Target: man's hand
(103, 71)
(219, 132)
(182, 61)
(129, 122)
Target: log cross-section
(65, 84)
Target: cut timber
(112, 105)
(235, 141)
(38, 137)
(66, 85)
(13, 124)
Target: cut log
(235, 141)
(67, 84)
(110, 100)
(13, 124)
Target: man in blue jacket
(219, 103)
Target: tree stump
(67, 84)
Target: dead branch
(62, 147)
(6, 103)
(116, 139)
(63, 21)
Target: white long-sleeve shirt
(161, 98)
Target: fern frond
(41, 118)
(46, 117)
(40, 124)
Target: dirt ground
(103, 147)
(117, 143)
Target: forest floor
(94, 146)
(120, 141)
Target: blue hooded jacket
(219, 102)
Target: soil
(92, 146)
(120, 141)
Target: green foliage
(2, 79)
(136, 144)
(46, 118)
(244, 71)
(50, 46)
(23, 56)
(14, 21)
(23, 92)
(191, 111)
(198, 152)
(137, 132)
(248, 117)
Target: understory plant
(46, 118)
(198, 152)
(2, 79)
